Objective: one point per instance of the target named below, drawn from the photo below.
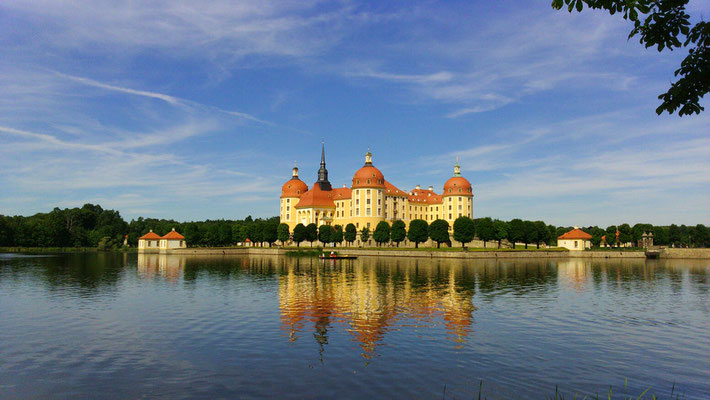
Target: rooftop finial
(295, 170)
(457, 167)
(368, 158)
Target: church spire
(323, 172)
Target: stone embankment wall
(275, 251)
(685, 253)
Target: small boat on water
(336, 257)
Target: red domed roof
(294, 187)
(458, 186)
(368, 176)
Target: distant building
(576, 239)
(646, 240)
(149, 241)
(371, 199)
(152, 242)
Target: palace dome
(294, 187)
(457, 185)
(368, 176)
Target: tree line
(93, 226)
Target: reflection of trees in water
(89, 273)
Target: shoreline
(466, 255)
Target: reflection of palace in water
(167, 266)
(369, 302)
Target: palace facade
(371, 199)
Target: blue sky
(192, 110)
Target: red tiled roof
(457, 186)
(425, 196)
(294, 187)
(316, 198)
(150, 235)
(575, 234)
(392, 190)
(174, 236)
(375, 177)
(342, 193)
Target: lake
(116, 325)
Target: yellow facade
(371, 199)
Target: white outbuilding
(576, 239)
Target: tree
(299, 234)
(665, 24)
(674, 235)
(382, 233)
(501, 230)
(311, 233)
(542, 234)
(529, 233)
(365, 235)
(439, 232)
(625, 234)
(325, 234)
(350, 233)
(464, 230)
(485, 229)
(418, 232)
(611, 239)
(552, 234)
(660, 236)
(597, 234)
(283, 233)
(337, 234)
(516, 231)
(399, 231)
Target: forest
(93, 226)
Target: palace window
(357, 202)
(379, 211)
(368, 182)
(357, 212)
(367, 201)
(368, 211)
(449, 215)
(368, 191)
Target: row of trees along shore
(93, 226)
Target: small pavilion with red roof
(576, 239)
(153, 242)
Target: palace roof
(294, 187)
(368, 177)
(316, 197)
(342, 193)
(457, 186)
(150, 235)
(424, 196)
(575, 234)
(392, 190)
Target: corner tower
(368, 195)
(291, 192)
(457, 196)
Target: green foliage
(665, 25)
(350, 233)
(418, 232)
(501, 230)
(439, 232)
(610, 234)
(382, 233)
(485, 229)
(311, 233)
(465, 230)
(299, 234)
(325, 234)
(337, 234)
(365, 235)
(625, 234)
(516, 230)
(399, 231)
(542, 234)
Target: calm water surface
(127, 326)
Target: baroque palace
(371, 199)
